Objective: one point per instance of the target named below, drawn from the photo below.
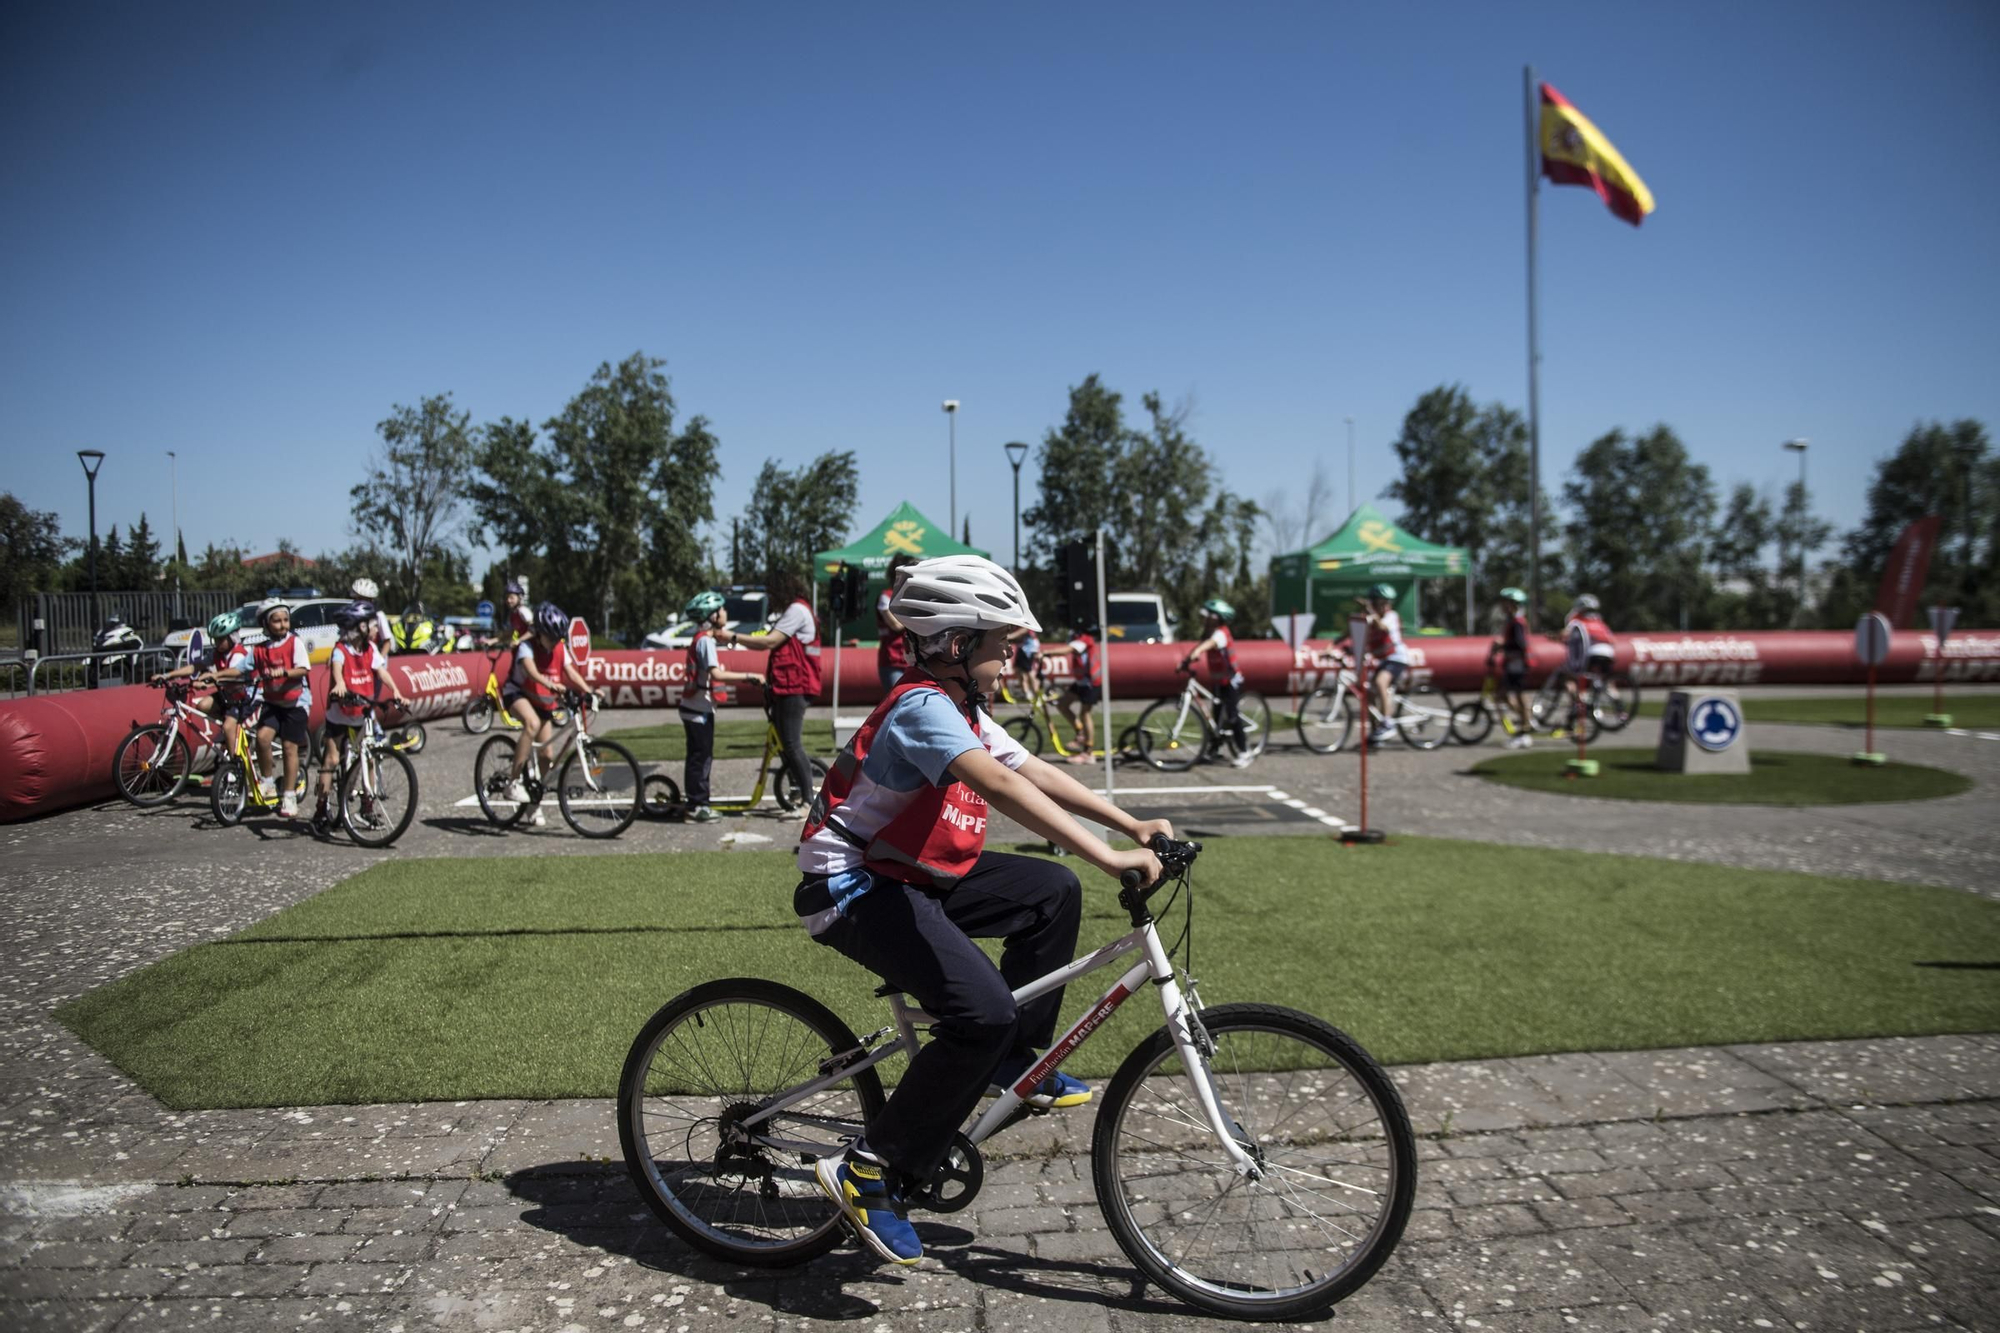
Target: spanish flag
(1575, 153)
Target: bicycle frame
(1155, 966)
(499, 705)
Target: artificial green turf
(529, 976)
(1776, 777)
(1851, 710)
(735, 738)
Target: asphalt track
(1811, 1185)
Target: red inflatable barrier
(56, 750)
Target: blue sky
(243, 232)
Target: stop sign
(579, 640)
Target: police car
(312, 621)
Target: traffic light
(1076, 581)
(847, 592)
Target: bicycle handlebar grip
(1131, 879)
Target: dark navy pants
(921, 943)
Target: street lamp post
(1799, 447)
(1350, 467)
(92, 459)
(1017, 453)
(174, 463)
(951, 416)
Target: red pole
(1870, 747)
(1577, 685)
(1361, 708)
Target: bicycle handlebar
(1175, 860)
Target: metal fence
(53, 623)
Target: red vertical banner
(1903, 577)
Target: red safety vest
(273, 658)
(1222, 661)
(698, 686)
(357, 671)
(795, 663)
(549, 662)
(1594, 626)
(935, 839)
(1083, 650)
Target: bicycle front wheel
(411, 738)
(1024, 730)
(489, 781)
(229, 789)
(598, 789)
(1326, 720)
(151, 765)
(1337, 1165)
(477, 718)
(703, 1065)
(1173, 739)
(1422, 726)
(662, 795)
(1471, 722)
(378, 796)
(1616, 703)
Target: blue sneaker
(855, 1184)
(1057, 1091)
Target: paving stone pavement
(1821, 1185)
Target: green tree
(1638, 533)
(32, 548)
(220, 567)
(140, 567)
(414, 493)
(611, 504)
(1075, 488)
(1464, 482)
(794, 513)
(1939, 469)
(1745, 596)
(1798, 533)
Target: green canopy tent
(903, 532)
(1324, 580)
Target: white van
(1138, 617)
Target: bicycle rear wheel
(489, 781)
(1338, 1165)
(1421, 726)
(1024, 730)
(1256, 716)
(1326, 720)
(410, 737)
(598, 788)
(378, 796)
(1471, 722)
(1173, 739)
(662, 795)
(709, 1059)
(1616, 703)
(787, 791)
(151, 765)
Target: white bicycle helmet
(364, 590)
(959, 592)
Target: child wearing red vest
(898, 878)
(793, 643)
(353, 672)
(282, 668)
(1086, 688)
(697, 702)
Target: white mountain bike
(1252, 1160)
(1175, 734)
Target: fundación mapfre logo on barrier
(1690, 661)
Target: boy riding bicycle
(282, 667)
(1511, 647)
(897, 878)
(1603, 643)
(1392, 659)
(352, 674)
(1220, 649)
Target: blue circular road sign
(1715, 724)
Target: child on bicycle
(897, 877)
(1086, 688)
(232, 670)
(533, 692)
(1392, 659)
(1511, 647)
(1220, 648)
(697, 705)
(352, 673)
(1588, 613)
(283, 667)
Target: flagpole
(1534, 366)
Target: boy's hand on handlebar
(1117, 863)
(1149, 829)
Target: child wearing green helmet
(1386, 649)
(1220, 647)
(1511, 647)
(697, 703)
(222, 663)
